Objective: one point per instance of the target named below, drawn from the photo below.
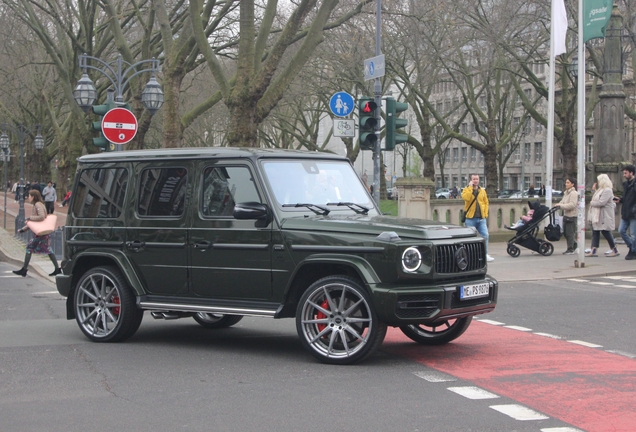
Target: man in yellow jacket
(476, 209)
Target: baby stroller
(527, 234)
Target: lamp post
(4, 147)
(22, 132)
(85, 92)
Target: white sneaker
(489, 258)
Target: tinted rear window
(100, 193)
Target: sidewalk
(528, 266)
(12, 250)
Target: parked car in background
(505, 193)
(443, 193)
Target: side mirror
(253, 211)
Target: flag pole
(581, 142)
(550, 136)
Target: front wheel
(437, 334)
(546, 249)
(105, 307)
(513, 251)
(336, 321)
(210, 320)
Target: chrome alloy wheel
(98, 305)
(336, 323)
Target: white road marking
(561, 429)
(614, 277)
(626, 286)
(435, 376)
(45, 292)
(513, 327)
(602, 283)
(578, 280)
(622, 353)
(10, 276)
(473, 392)
(587, 344)
(548, 335)
(519, 412)
(487, 321)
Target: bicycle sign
(344, 128)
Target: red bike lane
(587, 387)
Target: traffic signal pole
(377, 93)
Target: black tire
(336, 321)
(105, 306)
(513, 251)
(546, 249)
(210, 320)
(438, 334)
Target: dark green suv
(219, 233)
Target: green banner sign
(596, 16)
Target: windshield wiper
(324, 211)
(353, 206)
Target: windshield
(315, 182)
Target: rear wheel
(336, 321)
(546, 249)
(437, 334)
(105, 307)
(210, 320)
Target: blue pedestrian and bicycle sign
(341, 104)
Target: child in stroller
(527, 231)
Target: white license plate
(472, 291)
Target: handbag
(463, 218)
(552, 231)
(42, 228)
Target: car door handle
(203, 245)
(135, 245)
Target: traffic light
(101, 110)
(366, 123)
(393, 109)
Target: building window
(589, 148)
(538, 152)
(455, 181)
(527, 151)
(526, 183)
(455, 155)
(537, 182)
(473, 154)
(464, 128)
(517, 154)
(538, 127)
(447, 155)
(464, 154)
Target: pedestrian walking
(454, 192)
(67, 197)
(50, 196)
(601, 215)
(627, 227)
(476, 209)
(38, 244)
(569, 205)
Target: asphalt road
(176, 375)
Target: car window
(315, 182)
(223, 187)
(162, 191)
(100, 193)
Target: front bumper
(402, 305)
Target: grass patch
(389, 207)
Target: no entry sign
(119, 126)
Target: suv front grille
(446, 261)
(417, 306)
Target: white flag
(559, 27)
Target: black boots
(22, 272)
(57, 271)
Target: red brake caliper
(320, 315)
(116, 300)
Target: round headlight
(411, 259)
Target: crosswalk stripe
(519, 412)
(473, 392)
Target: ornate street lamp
(85, 93)
(22, 132)
(4, 147)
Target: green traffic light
(393, 108)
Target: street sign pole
(377, 89)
